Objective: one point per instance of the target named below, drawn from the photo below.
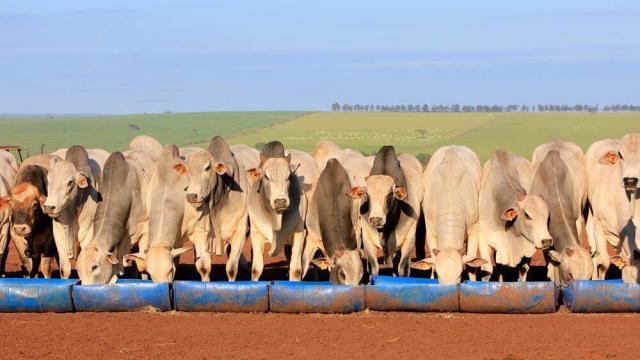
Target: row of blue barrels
(385, 294)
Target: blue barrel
(221, 296)
(305, 297)
(124, 295)
(590, 296)
(512, 298)
(36, 295)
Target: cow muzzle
(630, 183)
(193, 199)
(280, 205)
(22, 229)
(51, 210)
(376, 222)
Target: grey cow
(560, 177)
(513, 223)
(334, 217)
(121, 218)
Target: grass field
(425, 132)
(114, 132)
(408, 132)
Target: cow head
(529, 218)
(96, 266)
(448, 264)
(345, 267)
(160, 261)
(275, 174)
(627, 155)
(573, 263)
(203, 174)
(64, 184)
(25, 203)
(381, 191)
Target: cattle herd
(334, 208)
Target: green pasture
(418, 133)
(114, 132)
(425, 132)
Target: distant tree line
(482, 108)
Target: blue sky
(149, 56)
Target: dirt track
(272, 336)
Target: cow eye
(207, 168)
(267, 177)
(527, 216)
(94, 268)
(620, 155)
(70, 183)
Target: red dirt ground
(273, 336)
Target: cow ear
(509, 214)
(81, 180)
(288, 158)
(618, 261)
(178, 252)
(400, 193)
(609, 158)
(134, 256)
(254, 173)
(5, 203)
(322, 263)
(424, 264)
(220, 169)
(180, 169)
(356, 192)
(473, 261)
(556, 256)
(111, 259)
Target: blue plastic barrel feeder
(36, 295)
(125, 295)
(504, 297)
(589, 296)
(299, 297)
(240, 296)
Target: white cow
(613, 168)
(450, 205)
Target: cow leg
(203, 257)
(237, 243)
(472, 247)
(486, 253)
(26, 263)
(310, 248)
(372, 259)
(601, 261)
(45, 266)
(404, 266)
(36, 266)
(62, 237)
(295, 267)
(524, 270)
(257, 247)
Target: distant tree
(335, 107)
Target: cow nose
(630, 182)
(20, 229)
(49, 209)
(547, 243)
(192, 197)
(280, 203)
(376, 221)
